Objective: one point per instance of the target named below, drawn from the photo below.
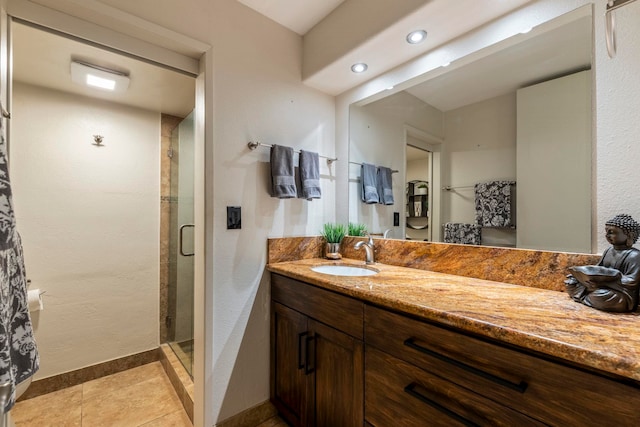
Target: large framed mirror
(517, 113)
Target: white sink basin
(344, 270)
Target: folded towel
(385, 186)
(310, 175)
(369, 182)
(493, 204)
(282, 172)
(468, 234)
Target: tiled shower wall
(167, 255)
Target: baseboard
(251, 417)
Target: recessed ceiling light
(526, 30)
(98, 77)
(446, 64)
(415, 37)
(360, 67)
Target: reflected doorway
(419, 200)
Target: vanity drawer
(550, 392)
(341, 312)
(400, 394)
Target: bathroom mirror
(479, 121)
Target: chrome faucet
(387, 232)
(369, 249)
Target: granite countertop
(545, 321)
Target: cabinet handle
(410, 389)
(501, 381)
(310, 355)
(302, 361)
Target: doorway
(423, 178)
(92, 197)
(419, 171)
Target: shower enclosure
(181, 239)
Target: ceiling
(546, 54)
(44, 59)
(538, 57)
(297, 15)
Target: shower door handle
(182, 227)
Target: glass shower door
(181, 242)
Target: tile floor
(141, 396)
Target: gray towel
(282, 172)
(385, 186)
(310, 175)
(369, 182)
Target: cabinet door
(337, 359)
(289, 373)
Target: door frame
(433, 144)
(190, 56)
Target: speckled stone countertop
(545, 321)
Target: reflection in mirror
(524, 102)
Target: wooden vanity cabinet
(317, 355)
(338, 362)
(479, 382)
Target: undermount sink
(344, 270)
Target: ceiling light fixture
(98, 77)
(415, 37)
(360, 67)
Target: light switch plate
(234, 218)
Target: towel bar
(253, 145)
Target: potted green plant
(357, 230)
(421, 188)
(333, 234)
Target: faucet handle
(370, 239)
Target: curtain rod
(356, 163)
(253, 145)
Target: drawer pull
(310, 364)
(517, 387)
(302, 360)
(411, 389)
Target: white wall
(89, 220)
(480, 146)
(617, 90)
(378, 137)
(554, 194)
(257, 94)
